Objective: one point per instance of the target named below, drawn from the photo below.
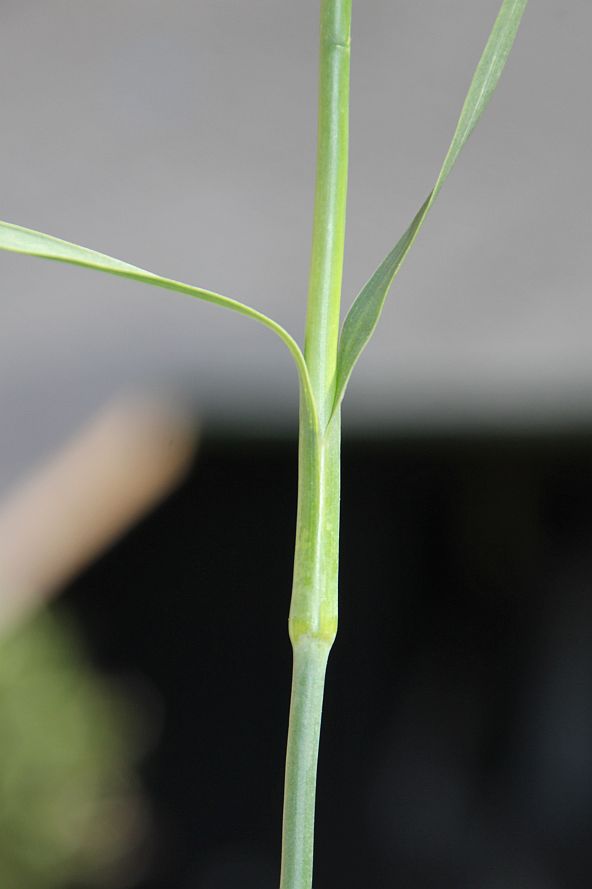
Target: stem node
(313, 611)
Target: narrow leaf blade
(16, 239)
(366, 309)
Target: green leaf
(32, 243)
(363, 315)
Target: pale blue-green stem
(313, 612)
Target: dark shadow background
(457, 743)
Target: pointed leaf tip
(366, 309)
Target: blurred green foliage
(69, 808)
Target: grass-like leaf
(32, 243)
(363, 316)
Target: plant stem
(308, 680)
(313, 612)
(324, 295)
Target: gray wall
(180, 136)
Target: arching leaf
(32, 243)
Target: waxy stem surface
(313, 612)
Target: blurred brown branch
(83, 498)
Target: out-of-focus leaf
(69, 745)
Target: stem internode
(313, 612)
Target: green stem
(313, 612)
(308, 681)
(324, 296)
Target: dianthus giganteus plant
(324, 368)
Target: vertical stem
(313, 626)
(308, 680)
(313, 612)
(324, 296)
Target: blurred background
(457, 749)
